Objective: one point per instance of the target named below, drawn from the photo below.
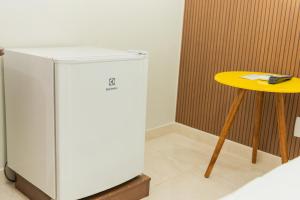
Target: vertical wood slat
(224, 35)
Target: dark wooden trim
(135, 189)
(29, 190)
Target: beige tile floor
(176, 162)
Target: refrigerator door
(100, 125)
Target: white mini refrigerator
(75, 118)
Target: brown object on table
(1, 52)
(135, 189)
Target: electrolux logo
(111, 84)
(112, 81)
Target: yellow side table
(234, 79)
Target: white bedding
(281, 183)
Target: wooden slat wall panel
(224, 35)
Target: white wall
(151, 25)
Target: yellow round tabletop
(235, 79)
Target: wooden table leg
(257, 123)
(281, 128)
(225, 130)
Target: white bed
(281, 183)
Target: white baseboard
(161, 130)
(210, 139)
(160, 126)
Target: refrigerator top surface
(80, 54)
